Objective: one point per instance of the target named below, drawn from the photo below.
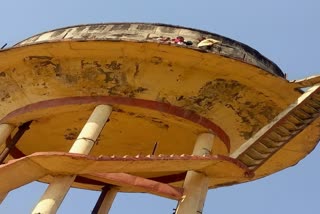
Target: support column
(196, 184)
(105, 200)
(11, 143)
(57, 190)
(91, 130)
(5, 132)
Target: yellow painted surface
(121, 135)
(238, 97)
(293, 151)
(39, 165)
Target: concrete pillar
(5, 132)
(105, 201)
(54, 195)
(57, 190)
(91, 130)
(196, 184)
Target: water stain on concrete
(71, 133)
(231, 94)
(111, 76)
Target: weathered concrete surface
(144, 32)
(38, 165)
(165, 93)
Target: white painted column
(107, 201)
(196, 184)
(5, 132)
(54, 195)
(91, 130)
(57, 190)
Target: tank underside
(162, 93)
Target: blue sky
(285, 31)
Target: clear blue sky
(285, 31)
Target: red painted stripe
(148, 104)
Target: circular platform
(161, 91)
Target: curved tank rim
(276, 69)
